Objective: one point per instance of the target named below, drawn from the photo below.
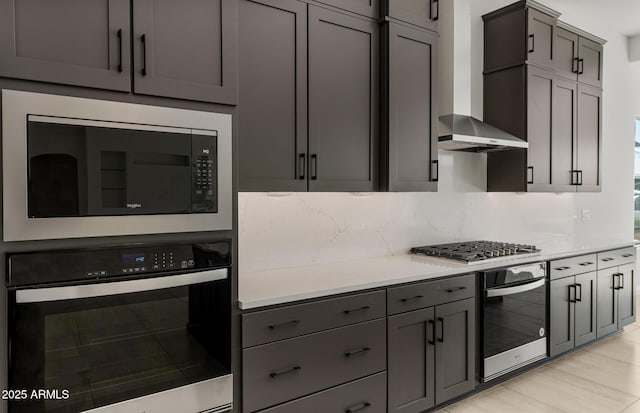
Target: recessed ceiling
(619, 16)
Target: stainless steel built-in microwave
(76, 167)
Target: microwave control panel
(204, 192)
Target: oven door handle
(73, 292)
(499, 292)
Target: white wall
(307, 228)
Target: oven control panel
(145, 260)
(204, 192)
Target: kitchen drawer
(368, 395)
(430, 293)
(617, 257)
(572, 266)
(281, 323)
(278, 372)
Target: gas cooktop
(476, 251)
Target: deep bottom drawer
(368, 395)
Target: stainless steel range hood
(466, 133)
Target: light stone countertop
(279, 286)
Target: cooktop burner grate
(474, 251)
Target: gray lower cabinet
(410, 150)
(431, 356)
(75, 43)
(616, 298)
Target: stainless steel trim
(513, 359)
(17, 226)
(102, 124)
(41, 295)
(210, 396)
(501, 292)
(466, 133)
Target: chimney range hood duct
(466, 133)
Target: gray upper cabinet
(566, 57)
(565, 125)
(422, 13)
(590, 62)
(577, 57)
(69, 42)
(589, 139)
(272, 118)
(369, 8)
(343, 102)
(410, 157)
(185, 49)
(540, 84)
(540, 38)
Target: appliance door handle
(500, 292)
(74, 292)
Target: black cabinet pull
(530, 168)
(120, 50)
(314, 165)
(454, 289)
(578, 299)
(627, 255)
(143, 39)
(287, 324)
(615, 278)
(575, 64)
(621, 286)
(575, 177)
(302, 161)
(435, 175)
(408, 300)
(282, 372)
(435, 16)
(581, 66)
(532, 37)
(572, 287)
(357, 351)
(347, 312)
(579, 177)
(607, 259)
(358, 408)
(561, 268)
(433, 333)
(585, 263)
(441, 339)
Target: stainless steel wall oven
(125, 329)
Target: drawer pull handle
(454, 289)
(357, 351)
(408, 300)
(585, 263)
(358, 408)
(561, 268)
(287, 324)
(607, 259)
(278, 373)
(627, 255)
(347, 312)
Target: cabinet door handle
(347, 312)
(435, 166)
(572, 287)
(282, 372)
(441, 338)
(357, 408)
(454, 289)
(302, 165)
(574, 177)
(408, 300)
(621, 285)
(561, 268)
(314, 166)
(616, 285)
(580, 66)
(143, 39)
(578, 299)
(287, 324)
(357, 351)
(433, 333)
(575, 64)
(532, 48)
(120, 50)
(435, 16)
(585, 263)
(579, 177)
(530, 168)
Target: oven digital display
(133, 259)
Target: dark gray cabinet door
(272, 117)
(585, 314)
(565, 124)
(607, 308)
(561, 315)
(423, 13)
(589, 138)
(455, 349)
(541, 38)
(540, 84)
(76, 43)
(566, 54)
(185, 49)
(590, 67)
(369, 8)
(626, 295)
(413, 137)
(343, 102)
(411, 358)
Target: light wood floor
(604, 377)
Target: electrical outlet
(585, 216)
